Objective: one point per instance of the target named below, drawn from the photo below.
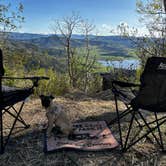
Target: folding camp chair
(151, 97)
(9, 96)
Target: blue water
(125, 64)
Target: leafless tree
(89, 59)
(66, 27)
(79, 60)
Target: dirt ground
(26, 147)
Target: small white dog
(56, 116)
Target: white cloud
(105, 30)
(108, 29)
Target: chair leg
(129, 130)
(20, 119)
(150, 129)
(146, 134)
(159, 131)
(14, 123)
(1, 130)
(118, 119)
(121, 115)
(17, 118)
(152, 122)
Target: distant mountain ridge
(28, 36)
(25, 36)
(108, 46)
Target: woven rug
(87, 136)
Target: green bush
(58, 84)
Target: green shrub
(58, 84)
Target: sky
(104, 14)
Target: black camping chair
(9, 96)
(151, 97)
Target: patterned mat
(87, 136)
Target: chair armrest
(27, 78)
(124, 84)
(34, 79)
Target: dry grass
(26, 148)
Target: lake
(125, 64)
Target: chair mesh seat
(126, 95)
(13, 95)
(159, 107)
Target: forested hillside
(30, 57)
(109, 46)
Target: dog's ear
(52, 97)
(41, 96)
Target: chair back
(152, 94)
